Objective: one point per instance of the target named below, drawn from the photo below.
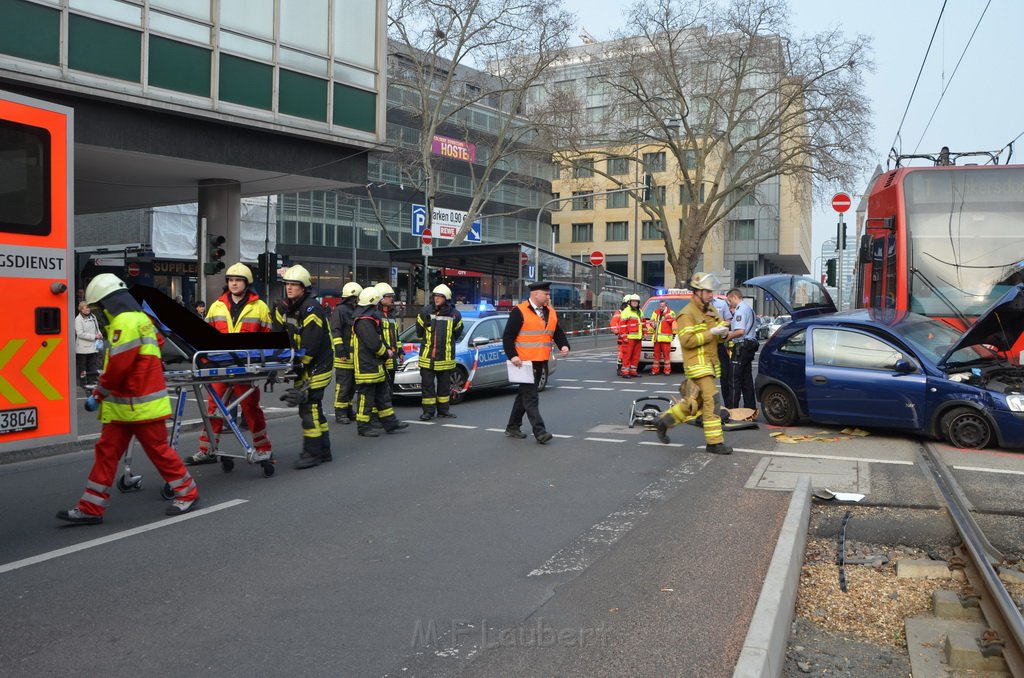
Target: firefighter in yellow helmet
(133, 403)
(700, 330)
(439, 327)
(369, 353)
(341, 336)
(309, 332)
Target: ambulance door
(36, 244)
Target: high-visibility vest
(536, 337)
(630, 320)
(132, 382)
(440, 332)
(663, 324)
(254, 316)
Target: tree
(733, 98)
(439, 50)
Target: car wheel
(459, 376)
(542, 381)
(778, 406)
(966, 428)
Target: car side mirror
(479, 341)
(904, 366)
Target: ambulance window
(24, 186)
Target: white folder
(522, 374)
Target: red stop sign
(596, 258)
(841, 202)
(524, 258)
(427, 236)
(132, 269)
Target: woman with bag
(88, 346)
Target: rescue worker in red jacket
(309, 332)
(370, 352)
(664, 320)
(341, 336)
(631, 325)
(620, 339)
(238, 310)
(133, 402)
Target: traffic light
(215, 255)
(830, 272)
(648, 186)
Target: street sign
(133, 270)
(427, 250)
(841, 202)
(524, 258)
(427, 236)
(444, 223)
(596, 258)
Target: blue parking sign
(419, 219)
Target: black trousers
(436, 388)
(726, 380)
(528, 402)
(742, 374)
(89, 364)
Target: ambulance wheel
(778, 406)
(459, 377)
(166, 492)
(227, 464)
(124, 486)
(268, 469)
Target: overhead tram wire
(951, 76)
(931, 41)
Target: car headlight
(1016, 403)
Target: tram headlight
(1016, 403)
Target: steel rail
(1001, 613)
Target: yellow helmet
(351, 289)
(444, 291)
(385, 289)
(705, 281)
(101, 286)
(369, 296)
(298, 274)
(239, 270)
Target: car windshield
(675, 303)
(933, 338)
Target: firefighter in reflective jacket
(133, 402)
(370, 352)
(631, 326)
(341, 337)
(700, 330)
(389, 330)
(616, 324)
(663, 319)
(309, 332)
(439, 327)
(238, 310)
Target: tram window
(24, 184)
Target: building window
(652, 269)
(654, 162)
(657, 196)
(556, 234)
(742, 229)
(584, 169)
(582, 200)
(743, 271)
(618, 166)
(685, 195)
(617, 200)
(616, 230)
(582, 232)
(690, 160)
(650, 230)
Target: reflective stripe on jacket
(536, 337)
(440, 329)
(663, 324)
(132, 382)
(630, 319)
(308, 330)
(389, 331)
(368, 349)
(700, 347)
(341, 333)
(254, 316)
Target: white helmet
(239, 270)
(634, 297)
(705, 281)
(384, 289)
(369, 296)
(351, 289)
(625, 298)
(444, 291)
(298, 274)
(102, 286)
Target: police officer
(133, 403)
(341, 336)
(370, 353)
(700, 330)
(439, 327)
(308, 328)
(742, 330)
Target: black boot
(661, 428)
(719, 448)
(368, 431)
(307, 461)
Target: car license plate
(648, 355)
(24, 419)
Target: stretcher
(243, 358)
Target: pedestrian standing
(88, 346)
(370, 353)
(620, 337)
(700, 329)
(742, 329)
(664, 320)
(631, 325)
(200, 308)
(722, 306)
(341, 337)
(133, 403)
(439, 327)
(530, 333)
(309, 333)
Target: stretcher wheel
(268, 468)
(124, 486)
(227, 464)
(166, 492)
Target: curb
(764, 649)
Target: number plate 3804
(23, 419)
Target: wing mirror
(904, 366)
(479, 341)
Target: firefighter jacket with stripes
(616, 322)
(630, 323)
(662, 321)
(132, 382)
(368, 349)
(536, 337)
(341, 332)
(700, 347)
(249, 315)
(308, 330)
(440, 329)
(389, 329)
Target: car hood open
(801, 297)
(999, 327)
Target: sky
(983, 106)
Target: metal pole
(201, 249)
(839, 263)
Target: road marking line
(776, 453)
(595, 381)
(632, 390)
(561, 435)
(495, 430)
(418, 422)
(68, 550)
(560, 379)
(652, 442)
(605, 440)
(571, 388)
(989, 470)
(599, 388)
(458, 426)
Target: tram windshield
(966, 235)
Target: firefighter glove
(720, 331)
(294, 397)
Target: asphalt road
(446, 549)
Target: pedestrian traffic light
(215, 255)
(830, 272)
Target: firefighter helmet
(239, 270)
(625, 298)
(102, 286)
(298, 274)
(444, 291)
(634, 297)
(385, 289)
(351, 289)
(705, 281)
(369, 296)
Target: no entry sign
(841, 202)
(427, 236)
(596, 258)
